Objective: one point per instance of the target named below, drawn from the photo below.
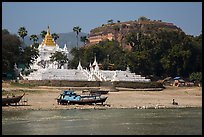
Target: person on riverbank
(174, 102)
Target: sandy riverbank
(44, 98)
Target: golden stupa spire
(48, 40)
(48, 30)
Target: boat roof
(68, 92)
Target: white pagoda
(46, 49)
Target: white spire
(128, 69)
(95, 62)
(90, 65)
(95, 65)
(65, 47)
(79, 66)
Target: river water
(182, 121)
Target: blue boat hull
(88, 101)
(83, 101)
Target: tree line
(162, 53)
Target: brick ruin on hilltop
(118, 31)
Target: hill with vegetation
(161, 50)
(143, 24)
(125, 32)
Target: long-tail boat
(11, 100)
(69, 97)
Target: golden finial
(48, 29)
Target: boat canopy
(176, 78)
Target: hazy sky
(63, 16)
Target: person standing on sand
(174, 103)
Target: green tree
(42, 63)
(176, 61)
(29, 55)
(110, 21)
(196, 76)
(22, 32)
(84, 39)
(34, 38)
(43, 33)
(77, 29)
(101, 51)
(75, 60)
(55, 36)
(5, 32)
(133, 40)
(59, 57)
(10, 50)
(196, 53)
(142, 18)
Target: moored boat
(11, 100)
(70, 97)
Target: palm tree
(43, 33)
(55, 36)
(77, 29)
(22, 32)
(84, 39)
(34, 38)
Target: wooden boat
(89, 100)
(96, 91)
(69, 97)
(11, 100)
